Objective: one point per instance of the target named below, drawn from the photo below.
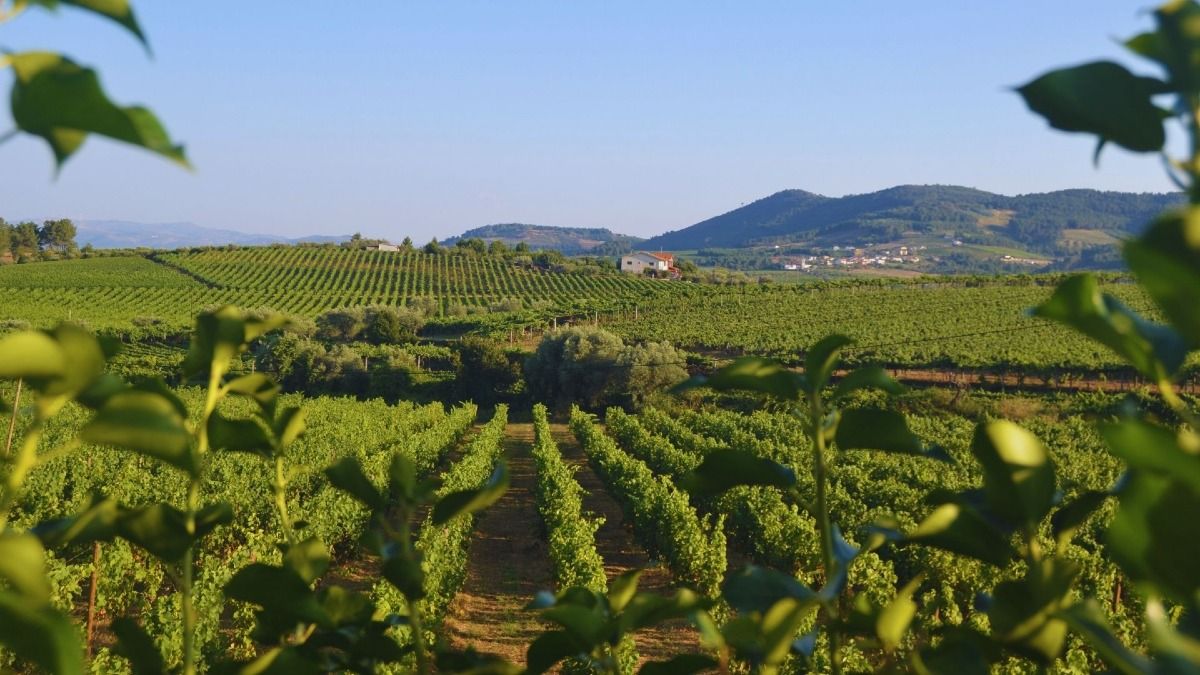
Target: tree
(433, 247)
(24, 239)
(57, 235)
(391, 325)
(594, 368)
(497, 247)
(6, 238)
(407, 244)
(486, 374)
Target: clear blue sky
(424, 118)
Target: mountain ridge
(1036, 221)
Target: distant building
(641, 261)
(383, 247)
(903, 250)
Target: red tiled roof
(663, 256)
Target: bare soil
(508, 564)
(621, 552)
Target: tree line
(27, 241)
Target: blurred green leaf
(1151, 538)
(30, 354)
(23, 566)
(470, 501)
(40, 634)
(1024, 612)
(1166, 260)
(347, 475)
(1087, 619)
(1101, 98)
(757, 589)
(724, 469)
(1018, 475)
(750, 373)
(119, 11)
(622, 589)
(548, 649)
(821, 359)
(62, 102)
(308, 559)
(146, 423)
(1155, 351)
(136, 645)
(683, 664)
(867, 377)
(1152, 448)
(256, 386)
(277, 589)
(871, 429)
(895, 618)
(236, 435)
(958, 529)
(1067, 519)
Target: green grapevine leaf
(1101, 98)
(62, 102)
(470, 501)
(256, 386)
(1166, 260)
(1154, 350)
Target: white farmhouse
(641, 261)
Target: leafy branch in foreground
(62, 102)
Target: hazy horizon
(427, 120)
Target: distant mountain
(1060, 222)
(568, 240)
(127, 234)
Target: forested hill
(1051, 222)
(569, 240)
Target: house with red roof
(646, 262)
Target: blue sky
(426, 118)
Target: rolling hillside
(568, 240)
(1053, 222)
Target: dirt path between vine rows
(621, 553)
(508, 564)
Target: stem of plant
(12, 420)
(280, 488)
(414, 606)
(193, 505)
(816, 416)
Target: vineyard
(939, 324)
